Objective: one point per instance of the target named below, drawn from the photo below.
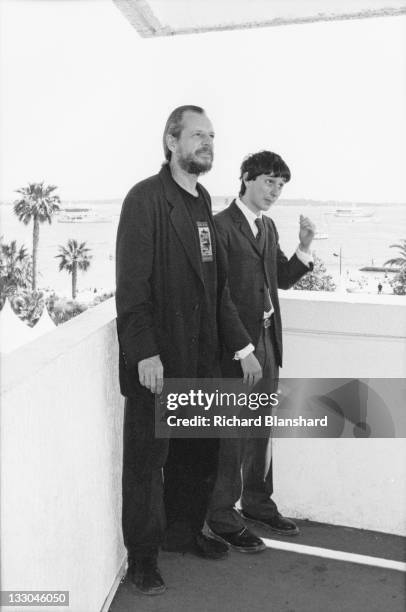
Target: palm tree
(398, 261)
(15, 268)
(74, 257)
(39, 204)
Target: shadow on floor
(280, 581)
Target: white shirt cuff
(305, 258)
(244, 352)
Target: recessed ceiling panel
(169, 17)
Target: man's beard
(191, 165)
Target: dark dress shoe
(144, 575)
(277, 523)
(243, 540)
(208, 548)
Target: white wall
(61, 421)
(354, 482)
(358, 336)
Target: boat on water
(73, 216)
(353, 212)
(72, 209)
(386, 269)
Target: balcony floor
(281, 581)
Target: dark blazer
(160, 286)
(247, 270)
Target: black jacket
(160, 287)
(247, 270)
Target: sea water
(363, 240)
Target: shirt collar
(248, 214)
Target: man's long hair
(174, 124)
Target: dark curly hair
(264, 162)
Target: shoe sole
(249, 551)
(292, 532)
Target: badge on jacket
(206, 247)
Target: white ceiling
(169, 17)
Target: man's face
(263, 191)
(193, 151)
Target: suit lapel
(244, 227)
(182, 222)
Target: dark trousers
(143, 517)
(245, 464)
(189, 477)
(165, 482)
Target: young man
(256, 268)
(168, 292)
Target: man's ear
(171, 142)
(245, 178)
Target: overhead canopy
(169, 17)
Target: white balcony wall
(61, 422)
(351, 336)
(345, 481)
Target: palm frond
(74, 254)
(38, 201)
(398, 261)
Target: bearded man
(169, 290)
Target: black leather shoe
(144, 575)
(278, 523)
(208, 548)
(243, 540)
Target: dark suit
(162, 309)
(250, 271)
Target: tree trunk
(35, 240)
(74, 280)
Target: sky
(84, 100)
